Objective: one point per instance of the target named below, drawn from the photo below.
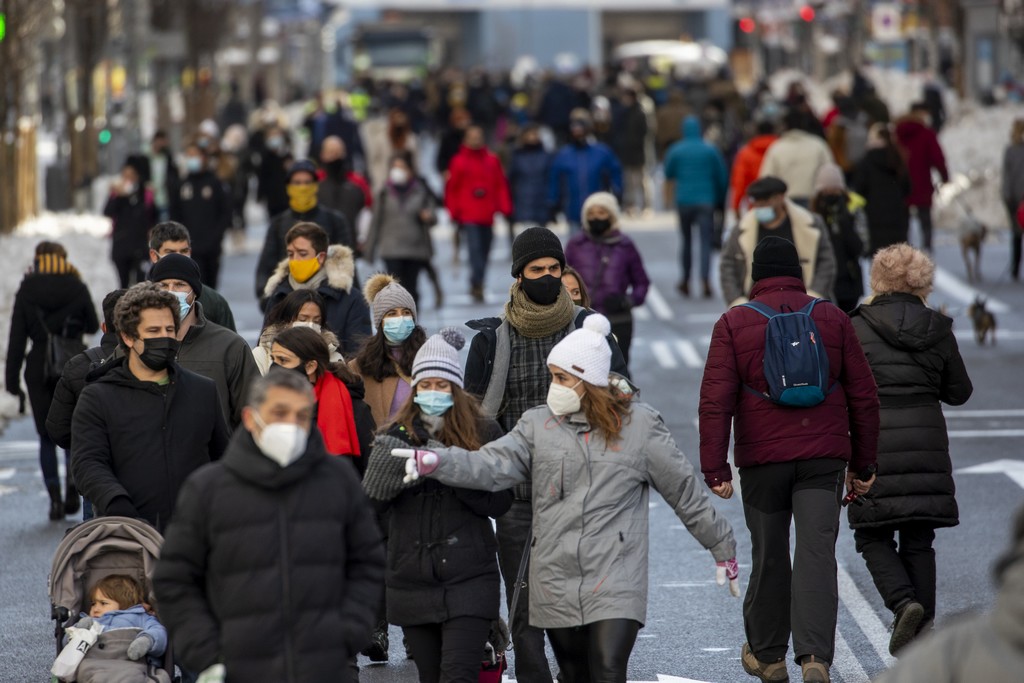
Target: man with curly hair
(143, 423)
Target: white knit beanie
(585, 353)
(438, 358)
(384, 293)
(829, 177)
(603, 199)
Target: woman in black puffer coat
(52, 299)
(442, 575)
(917, 365)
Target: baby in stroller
(117, 602)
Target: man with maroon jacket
(791, 463)
(475, 191)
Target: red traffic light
(807, 13)
(747, 25)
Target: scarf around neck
(535, 321)
(335, 416)
(312, 283)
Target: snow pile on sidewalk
(84, 237)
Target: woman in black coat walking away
(52, 300)
(132, 210)
(832, 202)
(917, 365)
(442, 569)
(882, 178)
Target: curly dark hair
(375, 361)
(145, 295)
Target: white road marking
(4, 490)
(641, 313)
(657, 304)
(689, 584)
(688, 352)
(982, 414)
(963, 292)
(662, 678)
(717, 649)
(865, 616)
(663, 354)
(6, 473)
(19, 446)
(846, 664)
(1014, 469)
(985, 433)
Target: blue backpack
(795, 359)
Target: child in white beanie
(593, 453)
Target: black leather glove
(121, 506)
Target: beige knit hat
(585, 353)
(605, 200)
(384, 293)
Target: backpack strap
(764, 309)
(95, 355)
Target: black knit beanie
(177, 267)
(532, 244)
(775, 257)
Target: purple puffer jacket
(612, 270)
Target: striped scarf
(53, 264)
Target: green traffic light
(105, 136)
(3, 25)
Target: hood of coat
(340, 267)
(904, 322)
(116, 371)
(909, 128)
(50, 291)
(271, 331)
(244, 459)
(691, 128)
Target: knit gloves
(417, 463)
(729, 569)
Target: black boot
(56, 504)
(72, 500)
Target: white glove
(213, 674)
(729, 569)
(418, 463)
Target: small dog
(971, 239)
(984, 321)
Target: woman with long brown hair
(593, 453)
(442, 576)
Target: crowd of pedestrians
(294, 536)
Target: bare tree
(206, 24)
(87, 22)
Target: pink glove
(729, 570)
(418, 463)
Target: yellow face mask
(303, 269)
(302, 198)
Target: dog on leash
(971, 238)
(984, 321)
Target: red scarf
(335, 417)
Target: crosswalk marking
(658, 305)
(688, 352)
(663, 354)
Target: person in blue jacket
(580, 169)
(697, 171)
(527, 178)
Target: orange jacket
(747, 165)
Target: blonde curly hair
(902, 268)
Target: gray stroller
(90, 552)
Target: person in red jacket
(791, 463)
(746, 167)
(921, 145)
(475, 191)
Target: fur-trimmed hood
(271, 331)
(340, 267)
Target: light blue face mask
(193, 164)
(764, 214)
(434, 402)
(183, 305)
(398, 329)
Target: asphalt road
(694, 629)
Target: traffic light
(807, 13)
(105, 136)
(3, 25)
(748, 25)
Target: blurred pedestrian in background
(202, 205)
(837, 208)
(882, 179)
(528, 178)
(796, 156)
(132, 211)
(924, 154)
(1013, 192)
(581, 168)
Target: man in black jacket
(273, 565)
(507, 366)
(303, 207)
(143, 423)
(202, 204)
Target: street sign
(886, 22)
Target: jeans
(450, 651)
(637, 188)
(598, 652)
(478, 243)
(903, 573)
(704, 216)
(924, 220)
(209, 268)
(407, 271)
(531, 662)
(802, 597)
(48, 461)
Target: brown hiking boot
(814, 670)
(773, 672)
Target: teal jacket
(697, 168)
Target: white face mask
(313, 326)
(282, 442)
(398, 176)
(563, 400)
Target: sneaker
(774, 672)
(905, 625)
(814, 670)
(377, 650)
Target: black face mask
(158, 352)
(544, 290)
(300, 369)
(599, 226)
(337, 168)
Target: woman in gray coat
(593, 454)
(1013, 191)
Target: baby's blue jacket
(136, 617)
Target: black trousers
(801, 597)
(1015, 240)
(924, 217)
(622, 330)
(531, 662)
(595, 653)
(903, 571)
(209, 267)
(408, 273)
(450, 651)
(129, 271)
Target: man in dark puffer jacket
(273, 565)
(916, 363)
